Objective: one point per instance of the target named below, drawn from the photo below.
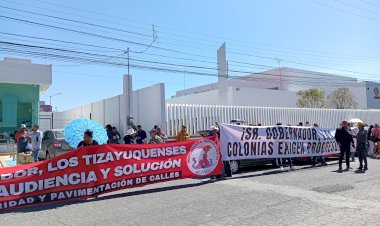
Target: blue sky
(320, 35)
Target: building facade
(21, 84)
(278, 88)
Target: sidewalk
(6, 161)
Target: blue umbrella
(75, 129)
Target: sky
(332, 36)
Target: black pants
(344, 151)
(227, 169)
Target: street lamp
(52, 117)
(50, 100)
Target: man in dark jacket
(344, 138)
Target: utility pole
(279, 68)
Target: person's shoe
(340, 168)
(281, 168)
(365, 168)
(324, 164)
(360, 168)
(292, 168)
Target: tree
(342, 98)
(311, 98)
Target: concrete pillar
(222, 75)
(126, 103)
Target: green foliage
(311, 98)
(342, 98)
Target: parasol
(355, 120)
(74, 131)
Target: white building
(274, 88)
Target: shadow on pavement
(49, 206)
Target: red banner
(94, 170)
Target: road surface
(307, 196)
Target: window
(59, 134)
(46, 136)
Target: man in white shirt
(36, 137)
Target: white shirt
(36, 139)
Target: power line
(162, 32)
(356, 7)
(370, 3)
(67, 56)
(345, 11)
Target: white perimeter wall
(148, 109)
(245, 96)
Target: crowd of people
(29, 140)
(136, 135)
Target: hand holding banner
(90, 171)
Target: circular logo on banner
(203, 157)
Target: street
(307, 196)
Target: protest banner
(94, 170)
(239, 142)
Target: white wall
(262, 97)
(148, 109)
(19, 71)
(149, 106)
(209, 97)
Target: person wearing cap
(87, 139)
(21, 138)
(129, 137)
(344, 139)
(183, 135)
(154, 138)
(361, 146)
(214, 131)
(36, 138)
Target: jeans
(36, 153)
(362, 153)
(344, 151)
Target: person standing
(183, 135)
(141, 135)
(36, 137)
(361, 146)
(87, 139)
(109, 132)
(316, 159)
(21, 138)
(344, 140)
(115, 136)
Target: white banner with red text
(239, 142)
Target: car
(236, 165)
(54, 144)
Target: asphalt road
(307, 196)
